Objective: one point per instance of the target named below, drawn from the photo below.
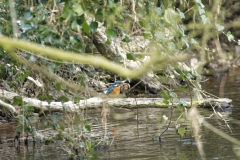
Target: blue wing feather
(110, 89)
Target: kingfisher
(114, 90)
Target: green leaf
(147, 35)
(93, 27)
(78, 9)
(88, 127)
(58, 86)
(74, 25)
(126, 39)
(238, 42)
(181, 131)
(173, 94)
(171, 16)
(111, 34)
(86, 28)
(17, 100)
(230, 36)
(142, 24)
(131, 56)
(219, 27)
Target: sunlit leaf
(78, 9)
(181, 131)
(86, 27)
(230, 36)
(238, 42)
(171, 16)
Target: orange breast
(115, 92)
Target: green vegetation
(72, 47)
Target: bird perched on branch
(115, 89)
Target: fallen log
(97, 102)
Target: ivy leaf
(230, 36)
(93, 27)
(131, 56)
(181, 131)
(86, 28)
(111, 34)
(219, 27)
(58, 86)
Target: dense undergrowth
(197, 28)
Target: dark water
(133, 140)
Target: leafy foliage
(172, 27)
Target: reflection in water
(133, 135)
